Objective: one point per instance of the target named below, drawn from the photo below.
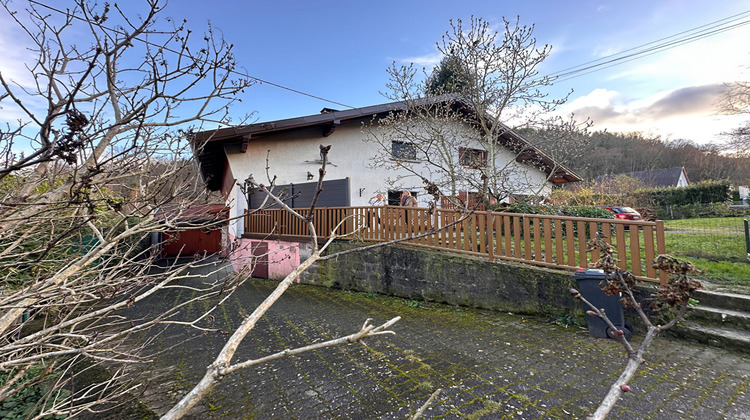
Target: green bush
(702, 192)
(586, 211)
(690, 211)
(30, 400)
(572, 211)
(519, 208)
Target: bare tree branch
(367, 330)
(453, 127)
(676, 293)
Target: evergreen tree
(449, 76)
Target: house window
(403, 150)
(472, 158)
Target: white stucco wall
(237, 206)
(350, 156)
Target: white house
(289, 150)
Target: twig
(617, 332)
(366, 331)
(427, 403)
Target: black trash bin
(590, 287)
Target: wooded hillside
(613, 153)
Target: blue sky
(339, 50)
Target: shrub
(586, 211)
(702, 192)
(30, 400)
(572, 211)
(689, 211)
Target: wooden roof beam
(245, 142)
(329, 128)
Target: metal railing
(543, 240)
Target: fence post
(747, 239)
(661, 248)
(246, 221)
(490, 235)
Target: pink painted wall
(264, 258)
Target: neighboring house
(744, 194)
(289, 150)
(656, 178)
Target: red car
(624, 213)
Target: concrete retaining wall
(440, 277)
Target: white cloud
(672, 93)
(598, 98)
(423, 60)
(16, 55)
(14, 48)
(606, 50)
(686, 113)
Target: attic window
(472, 158)
(403, 150)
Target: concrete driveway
(488, 365)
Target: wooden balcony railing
(551, 241)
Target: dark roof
(327, 116)
(193, 213)
(212, 158)
(667, 177)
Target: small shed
(200, 228)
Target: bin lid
(588, 273)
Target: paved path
(489, 365)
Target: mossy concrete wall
(414, 273)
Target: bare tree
(566, 140)
(674, 294)
(736, 101)
(455, 121)
(97, 153)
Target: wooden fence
(551, 241)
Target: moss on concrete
(426, 275)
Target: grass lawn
(709, 246)
(716, 245)
(723, 224)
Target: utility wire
(602, 66)
(729, 18)
(653, 47)
(647, 52)
(257, 79)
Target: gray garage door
(335, 194)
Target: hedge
(702, 192)
(593, 212)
